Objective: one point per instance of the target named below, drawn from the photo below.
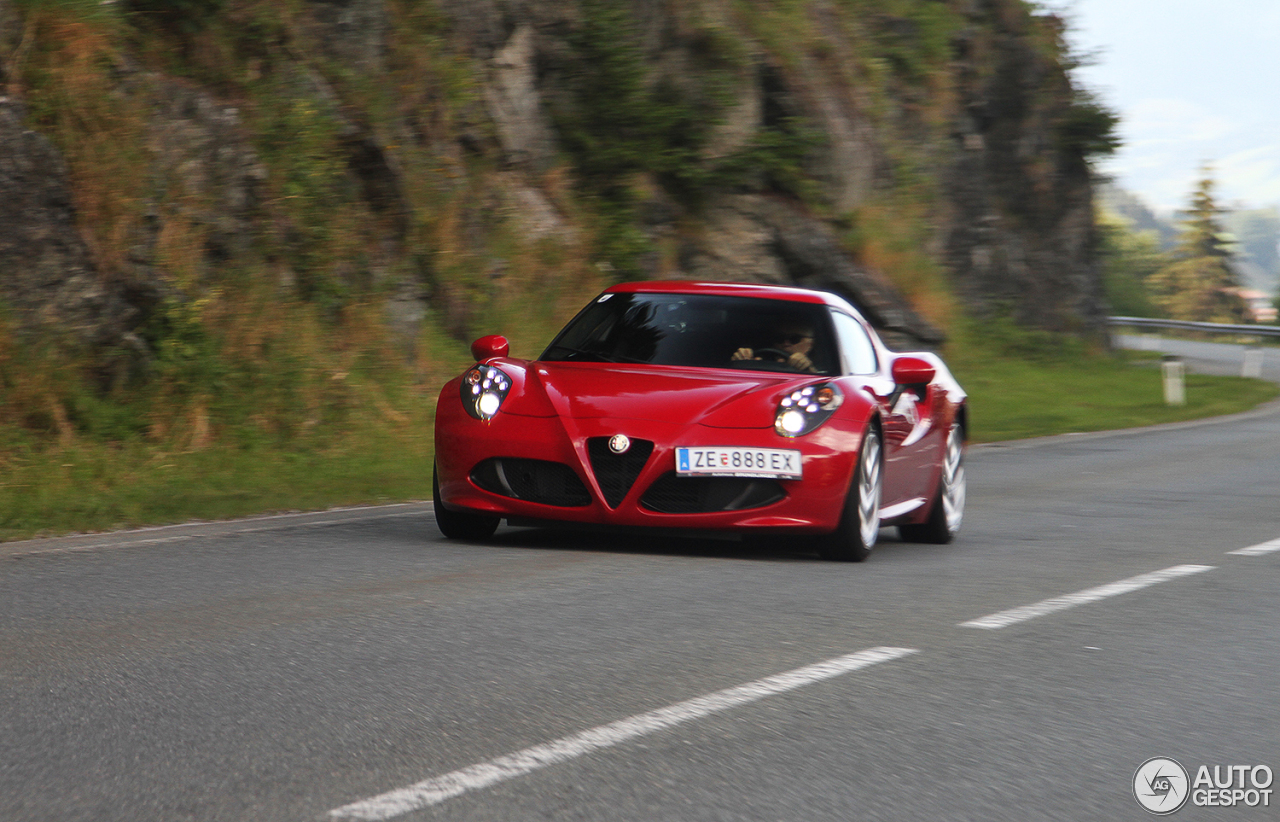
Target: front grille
(549, 483)
(616, 473)
(674, 494)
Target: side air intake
(549, 483)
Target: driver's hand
(800, 362)
(743, 354)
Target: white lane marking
(98, 545)
(210, 531)
(437, 789)
(1258, 550)
(318, 522)
(1048, 606)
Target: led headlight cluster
(483, 390)
(806, 408)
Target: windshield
(702, 331)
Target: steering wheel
(780, 356)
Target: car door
(896, 417)
(915, 440)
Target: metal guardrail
(1251, 366)
(1188, 325)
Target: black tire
(948, 503)
(856, 534)
(455, 524)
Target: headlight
(483, 390)
(806, 408)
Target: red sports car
(756, 409)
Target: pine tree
(1200, 284)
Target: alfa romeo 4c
(772, 412)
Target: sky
(1194, 82)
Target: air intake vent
(549, 483)
(616, 473)
(674, 494)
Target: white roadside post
(1252, 362)
(1175, 386)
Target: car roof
(758, 290)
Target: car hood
(722, 399)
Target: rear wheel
(948, 506)
(456, 525)
(859, 526)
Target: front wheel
(456, 525)
(948, 506)
(859, 526)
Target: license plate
(729, 461)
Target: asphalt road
(311, 667)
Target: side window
(855, 346)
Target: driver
(792, 346)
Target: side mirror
(493, 345)
(912, 371)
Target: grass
(1018, 397)
(273, 412)
(93, 487)
(78, 483)
(81, 485)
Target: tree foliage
(1088, 127)
(1200, 283)
(618, 123)
(625, 124)
(1130, 259)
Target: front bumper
(466, 451)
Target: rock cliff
(48, 277)
(431, 154)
